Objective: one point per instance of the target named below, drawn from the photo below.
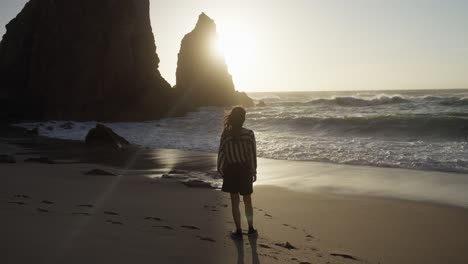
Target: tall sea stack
(202, 76)
(81, 60)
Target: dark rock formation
(102, 136)
(261, 103)
(81, 60)
(202, 76)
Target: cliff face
(86, 59)
(202, 76)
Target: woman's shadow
(240, 250)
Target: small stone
(197, 184)
(286, 245)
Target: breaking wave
(415, 129)
(356, 101)
(455, 102)
(427, 126)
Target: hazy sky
(323, 44)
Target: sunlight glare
(238, 47)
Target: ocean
(415, 129)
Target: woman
(237, 163)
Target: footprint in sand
(209, 239)
(114, 222)
(81, 213)
(263, 246)
(190, 227)
(47, 202)
(21, 196)
(268, 215)
(110, 213)
(165, 227)
(42, 210)
(85, 205)
(153, 218)
(210, 207)
(290, 226)
(346, 256)
(18, 203)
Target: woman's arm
(221, 155)
(253, 160)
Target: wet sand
(56, 213)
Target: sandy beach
(119, 120)
(56, 213)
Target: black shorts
(237, 178)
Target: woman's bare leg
(235, 199)
(248, 210)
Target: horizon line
(364, 90)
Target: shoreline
(44, 141)
(44, 209)
(444, 188)
(389, 138)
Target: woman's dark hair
(233, 121)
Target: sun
(237, 46)
(218, 47)
(234, 46)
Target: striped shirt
(238, 149)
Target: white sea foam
(405, 130)
(357, 101)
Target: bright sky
(276, 45)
